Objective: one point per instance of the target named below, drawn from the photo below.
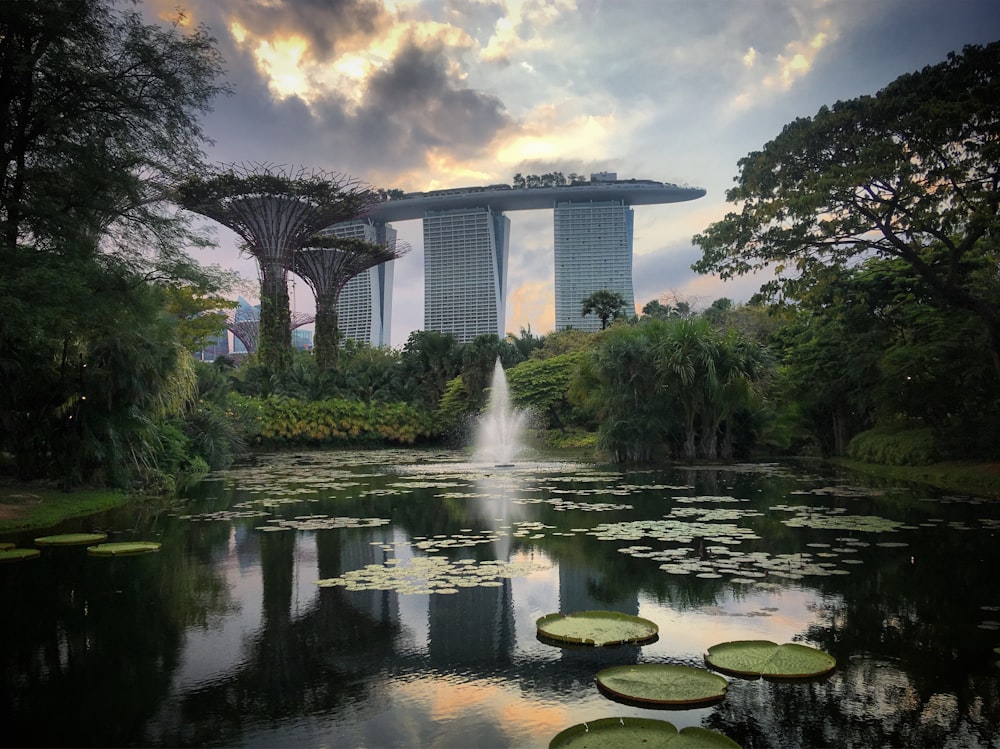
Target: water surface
(437, 569)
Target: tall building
(466, 236)
(465, 271)
(364, 309)
(593, 252)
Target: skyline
(445, 94)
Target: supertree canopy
(276, 212)
(327, 263)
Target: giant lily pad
(638, 733)
(765, 658)
(71, 539)
(123, 548)
(596, 628)
(5, 545)
(662, 684)
(18, 555)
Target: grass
(954, 476)
(29, 506)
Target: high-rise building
(364, 309)
(465, 271)
(593, 252)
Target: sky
(431, 94)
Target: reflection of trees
(311, 664)
(94, 658)
(870, 703)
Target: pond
(388, 598)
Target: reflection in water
(224, 639)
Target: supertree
(275, 211)
(327, 263)
(247, 330)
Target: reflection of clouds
(745, 617)
(521, 718)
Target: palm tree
(605, 304)
(686, 365)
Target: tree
(605, 304)
(429, 361)
(100, 113)
(911, 173)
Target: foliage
(286, 421)
(100, 112)
(560, 342)
(665, 383)
(598, 628)
(455, 410)
(428, 362)
(542, 385)
(894, 446)
(911, 173)
(605, 304)
(662, 684)
(764, 658)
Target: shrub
(895, 445)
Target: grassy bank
(959, 477)
(26, 506)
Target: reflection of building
(593, 252)
(364, 310)
(473, 626)
(586, 589)
(465, 272)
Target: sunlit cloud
(532, 304)
(292, 67)
(781, 73)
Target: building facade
(465, 271)
(593, 252)
(364, 309)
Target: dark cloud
(409, 107)
(663, 271)
(417, 96)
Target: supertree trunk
(326, 338)
(275, 349)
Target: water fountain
(500, 429)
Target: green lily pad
(663, 684)
(18, 555)
(596, 628)
(765, 658)
(71, 539)
(123, 548)
(638, 733)
(5, 545)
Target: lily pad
(123, 548)
(5, 545)
(765, 658)
(71, 539)
(596, 628)
(18, 555)
(629, 733)
(663, 684)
